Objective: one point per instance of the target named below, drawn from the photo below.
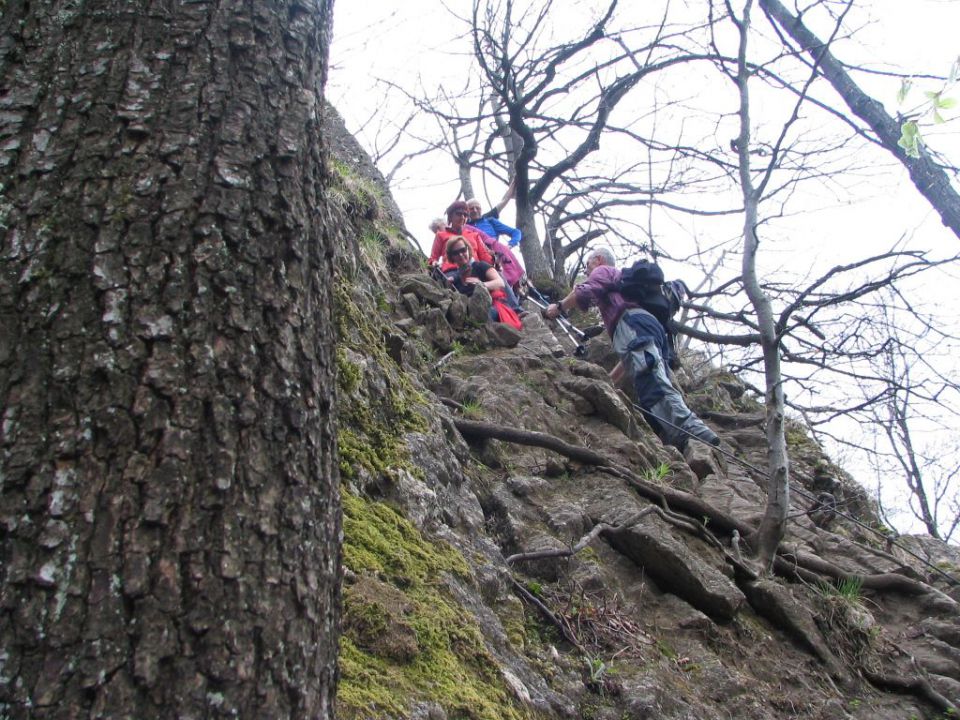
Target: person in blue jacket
(490, 224)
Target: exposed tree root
(791, 563)
(733, 421)
(881, 581)
(581, 544)
(451, 403)
(474, 428)
(917, 685)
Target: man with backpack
(636, 314)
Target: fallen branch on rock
(548, 613)
(581, 544)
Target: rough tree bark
(169, 516)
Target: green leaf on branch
(910, 138)
(946, 103)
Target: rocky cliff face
(518, 544)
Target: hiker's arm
(480, 250)
(566, 305)
(491, 280)
(503, 229)
(586, 293)
(437, 250)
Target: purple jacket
(512, 269)
(600, 289)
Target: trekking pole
(437, 274)
(586, 334)
(570, 329)
(580, 350)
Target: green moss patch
(372, 422)
(405, 641)
(377, 539)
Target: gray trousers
(670, 415)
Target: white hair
(437, 224)
(606, 254)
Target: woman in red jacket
(457, 226)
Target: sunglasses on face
(458, 252)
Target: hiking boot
(708, 436)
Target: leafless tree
(773, 525)
(558, 96)
(906, 426)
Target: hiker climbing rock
(467, 274)
(490, 223)
(478, 242)
(491, 229)
(456, 225)
(640, 339)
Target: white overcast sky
(403, 41)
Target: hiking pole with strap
(580, 350)
(570, 329)
(438, 275)
(590, 332)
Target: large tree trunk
(928, 177)
(169, 506)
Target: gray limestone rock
(701, 459)
(424, 287)
(412, 304)
(437, 328)
(538, 339)
(457, 312)
(500, 335)
(776, 603)
(478, 305)
(606, 402)
(676, 568)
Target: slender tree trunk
(168, 483)
(463, 171)
(928, 177)
(534, 259)
(774, 522)
(901, 440)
